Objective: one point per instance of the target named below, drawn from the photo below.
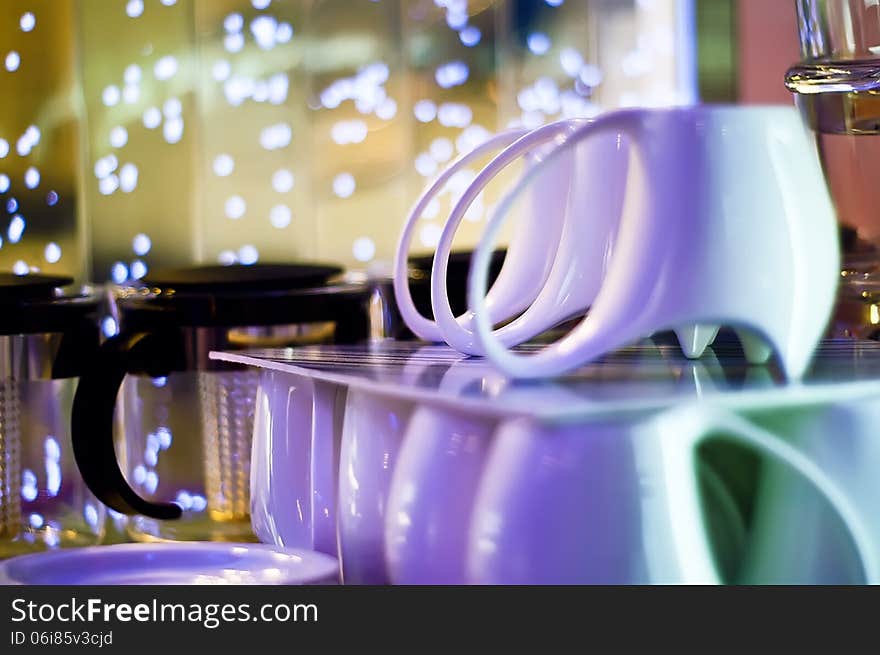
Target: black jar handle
(154, 353)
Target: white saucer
(171, 564)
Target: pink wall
(768, 45)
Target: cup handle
(698, 424)
(153, 353)
(457, 333)
(422, 327)
(561, 354)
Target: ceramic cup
(726, 221)
(441, 463)
(438, 470)
(531, 251)
(295, 460)
(372, 434)
(799, 539)
(617, 501)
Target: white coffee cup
(373, 431)
(524, 271)
(295, 460)
(798, 538)
(727, 221)
(616, 500)
(432, 492)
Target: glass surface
(44, 504)
(838, 78)
(650, 375)
(837, 87)
(187, 439)
(838, 29)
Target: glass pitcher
(48, 337)
(184, 446)
(837, 88)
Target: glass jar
(837, 88)
(186, 421)
(47, 338)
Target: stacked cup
(683, 219)
(642, 220)
(411, 478)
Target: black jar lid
(240, 278)
(239, 296)
(34, 303)
(30, 287)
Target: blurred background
(142, 133)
